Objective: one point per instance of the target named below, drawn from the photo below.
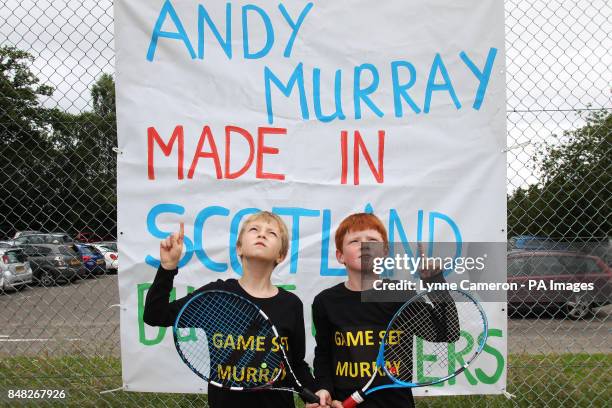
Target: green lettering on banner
(454, 357)
(421, 359)
(457, 357)
(312, 326)
(142, 288)
(499, 358)
(192, 334)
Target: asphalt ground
(83, 318)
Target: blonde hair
(269, 217)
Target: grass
(576, 380)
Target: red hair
(360, 222)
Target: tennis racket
(231, 343)
(446, 323)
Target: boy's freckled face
(351, 253)
(261, 240)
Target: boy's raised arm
(158, 310)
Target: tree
(572, 199)
(25, 150)
(21, 115)
(57, 168)
(84, 142)
(103, 95)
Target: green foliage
(573, 198)
(59, 168)
(103, 94)
(21, 116)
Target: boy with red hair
(348, 330)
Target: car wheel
(46, 279)
(578, 307)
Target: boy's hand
(336, 404)
(325, 399)
(426, 272)
(171, 249)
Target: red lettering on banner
(213, 154)
(344, 151)
(206, 137)
(152, 137)
(359, 146)
(263, 149)
(246, 135)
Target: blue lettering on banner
(295, 215)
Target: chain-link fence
(58, 174)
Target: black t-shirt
(285, 311)
(348, 336)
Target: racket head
(462, 338)
(223, 338)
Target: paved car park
(80, 317)
(63, 319)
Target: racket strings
(215, 316)
(194, 316)
(225, 316)
(205, 313)
(443, 327)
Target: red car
(569, 281)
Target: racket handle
(309, 396)
(355, 399)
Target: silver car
(15, 269)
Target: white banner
(314, 110)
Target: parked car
(109, 244)
(15, 270)
(20, 233)
(53, 263)
(43, 238)
(566, 269)
(110, 257)
(6, 244)
(87, 237)
(92, 259)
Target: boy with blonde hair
(262, 244)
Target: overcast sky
(557, 56)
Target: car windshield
(86, 251)
(55, 239)
(517, 267)
(69, 250)
(15, 256)
(43, 239)
(111, 245)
